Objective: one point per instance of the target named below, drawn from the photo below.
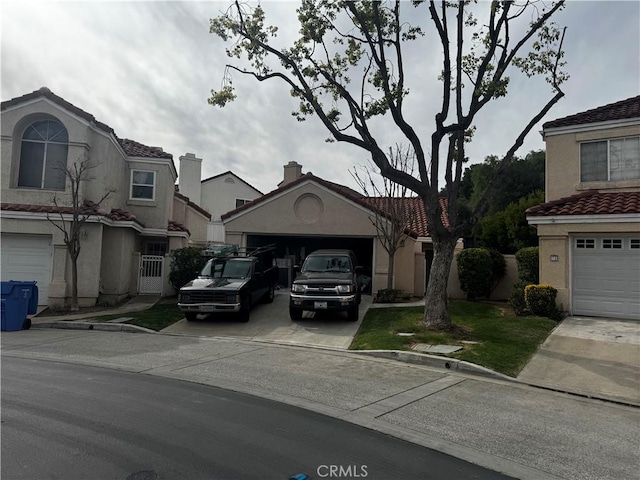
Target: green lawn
(155, 318)
(505, 342)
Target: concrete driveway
(271, 322)
(591, 356)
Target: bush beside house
(186, 264)
(480, 271)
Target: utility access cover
(426, 348)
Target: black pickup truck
(328, 280)
(231, 283)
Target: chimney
(292, 172)
(190, 177)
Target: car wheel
(244, 310)
(268, 298)
(352, 314)
(190, 316)
(295, 314)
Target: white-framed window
(634, 243)
(43, 156)
(610, 160)
(143, 185)
(610, 243)
(241, 201)
(585, 243)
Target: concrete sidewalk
(515, 429)
(590, 356)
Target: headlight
(345, 288)
(298, 288)
(233, 299)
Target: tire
(352, 314)
(190, 316)
(245, 307)
(270, 295)
(295, 314)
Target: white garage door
(27, 257)
(606, 276)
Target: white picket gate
(151, 276)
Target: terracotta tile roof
(87, 208)
(177, 227)
(130, 147)
(591, 202)
(196, 207)
(629, 108)
(136, 149)
(418, 226)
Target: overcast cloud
(146, 69)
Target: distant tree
(508, 230)
(348, 69)
(394, 211)
(81, 211)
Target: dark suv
(327, 281)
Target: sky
(146, 69)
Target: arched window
(43, 156)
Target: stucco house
(126, 238)
(217, 195)
(589, 227)
(306, 213)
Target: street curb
(104, 327)
(445, 363)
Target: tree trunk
(436, 311)
(74, 284)
(390, 272)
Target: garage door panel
(606, 281)
(27, 258)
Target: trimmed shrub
(541, 300)
(475, 272)
(186, 264)
(392, 295)
(528, 261)
(498, 267)
(517, 300)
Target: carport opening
(292, 250)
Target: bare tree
(394, 211)
(80, 211)
(349, 66)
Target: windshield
(236, 269)
(327, 263)
(211, 269)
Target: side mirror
(358, 269)
(296, 269)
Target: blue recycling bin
(17, 301)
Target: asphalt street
(76, 422)
(514, 429)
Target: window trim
(243, 200)
(20, 142)
(153, 186)
(608, 142)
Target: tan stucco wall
(219, 195)
(116, 266)
(555, 239)
(156, 213)
(88, 261)
(192, 219)
(563, 162)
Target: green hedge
(528, 264)
(541, 300)
(186, 264)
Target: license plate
(206, 308)
(319, 305)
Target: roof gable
(229, 172)
(130, 147)
(418, 227)
(624, 109)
